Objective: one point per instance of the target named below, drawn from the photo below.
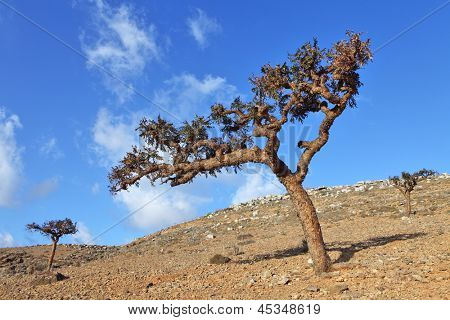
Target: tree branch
(122, 177)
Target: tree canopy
(312, 80)
(54, 229)
(408, 181)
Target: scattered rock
(234, 251)
(48, 279)
(244, 236)
(312, 288)
(219, 259)
(416, 277)
(266, 274)
(283, 280)
(210, 236)
(149, 285)
(251, 282)
(245, 243)
(338, 288)
(30, 269)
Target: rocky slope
(255, 251)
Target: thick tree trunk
(310, 223)
(52, 256)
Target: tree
(407, 182)
(313, 80)
(54, 229)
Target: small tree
(54, 229)
(314, 80)
(407, 182)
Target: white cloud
(44, 188)
(163, 208)
(95, 189)
(185, 94)
(113, 136)
(50, 149)
(10, 158)
(201, 26)
(257, 184)
(83, 235)
(6, 240)
(123, 44)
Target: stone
(30, 269)
(416, 277)
(210, 236)
(234, 251)
(251, 282)
(339, 288)
(310, 262)
(48, 279)
(266, 274)
(283, 280)
(219, 259)
(148, 286)
(312, 288)
(244, 236)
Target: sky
(77, 76)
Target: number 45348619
(292, 308)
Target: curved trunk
(52, 256)
(310, 223)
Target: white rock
(210, 236)
(266, 274)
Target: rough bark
(52, 256)
(408, 203)
(306, 212)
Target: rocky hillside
(254, 251)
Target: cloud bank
(10, 158)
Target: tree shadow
(347, 249)
(279, 254)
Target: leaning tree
(407, 182)
(313, 80)
(54, 229)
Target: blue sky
(64, 122)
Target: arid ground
(377, 252)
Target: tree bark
(408, 203)
(52, 256)
(306, 212)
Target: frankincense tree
(407, 182)
(313, 80)
(54, 229)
